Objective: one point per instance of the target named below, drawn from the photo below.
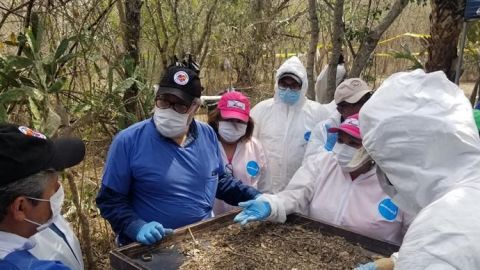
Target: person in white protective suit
(242, 154)
(349, 98)
(327, 188)
(283, 123)
(321, 82)
(419, 130)
(59, 243)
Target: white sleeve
(320, 84)
(316, 143)
(341, 73)
(255, 114)
(297, 195)
(264, 182)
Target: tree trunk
(84, 224)
(314, 34)
(373, 36)
(337, 38)
(132, 36)
(445, 29)
(207, 29)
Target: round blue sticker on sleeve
(388, 209)
(306, 136)
(252, 168)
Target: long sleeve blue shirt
(149, 177)
(23, 260)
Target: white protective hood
(284, 130)
(293, 65)
(419, 129)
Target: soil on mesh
(270, 246)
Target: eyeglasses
(289, 83)
(163, 103)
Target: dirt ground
(270, 246)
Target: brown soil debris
(270, 246)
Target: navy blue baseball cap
(181, 82)
(24, 152)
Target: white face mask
(170, 123)
(231, 132)
(56, 202)
(344, 154)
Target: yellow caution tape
(322, 46)
(405, 35)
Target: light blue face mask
(288, 95)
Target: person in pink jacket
(243, 155)
(328, 189)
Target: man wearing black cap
(165, 172)
(31, 197)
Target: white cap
(351, 90)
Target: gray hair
(31, 186)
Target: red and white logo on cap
(30, 132)
(181, 78)
(352, 122)
(236, 104)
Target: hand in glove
(331, 139)
(253, 210)
(152, 232)
(367, 266)
(380, 264)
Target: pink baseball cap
(349, 126)
(234, 105)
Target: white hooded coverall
(284, 130)
(321, 82)
(323, 191)
(420, 131)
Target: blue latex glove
(253, 210)
(367, 266)
(152, 232)
(331, 139)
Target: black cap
(291, 75)
(24, 152)
(181, 82)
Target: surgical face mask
(360, 159)
(231, 132)
(170, 123)
(344, 154)
(288, 95)
(56, 202)
(405, 204)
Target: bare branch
(207, 27)
(330, 6)
(312, 48)
(373, 36)
(337, 38)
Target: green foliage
(33, 79)
(407, 54)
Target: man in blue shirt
(31, 196)
(165, 172)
